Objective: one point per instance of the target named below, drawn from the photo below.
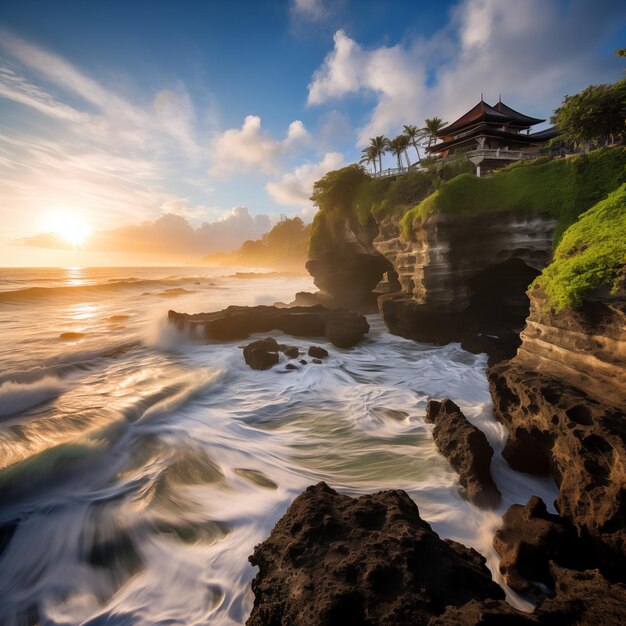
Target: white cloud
(250, 148)
(528, 51)
(294, 188)
(313, 10)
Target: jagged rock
(343, 328)
(583, 599)
(371, 561)
(528, 540)
(291, 352)
(485, 613)
(467, 449)
(262, 354)
(317, 352)
(562, 399)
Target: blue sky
(171, 114)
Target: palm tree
(414, 134)
(379, 147)
(433, 126)
(369, 157)
(398, 147)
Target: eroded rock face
(465, 279)
(348, 268)
(333, 560)
(467, 449)
(562, 399)
(528, 540)
(342, 328)
(262, 354)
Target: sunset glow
(70, 227)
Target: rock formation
(562, 399)
(333, 560)
(467, 449)
(342, 328)
(528, 540)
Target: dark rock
(334, 560)
(261, 354)
(317, 352)
(291, 366)
(485, 613)
(528, 540)
(562, 400)
(291, 352)
(583, 599)
(317, 361)
(343, 328)
(467, 449)
(302, 361)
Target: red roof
(483, 112)
(516, 116)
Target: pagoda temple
(491, 137)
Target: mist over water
(138, 470)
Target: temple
(491, 137)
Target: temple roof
(486, 130)
(485, 113)
(516, 116)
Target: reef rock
(528, 540)
(562, 399)
(467, 449)
(342, 328)
(332, 560)
(262, 354)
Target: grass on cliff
(353, 194)
(591, 254)
(563, 188)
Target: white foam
(18, 397)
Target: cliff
(458, 252)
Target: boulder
(291, 352)
(317, 352)
(583, 599)
(333, 560)
(261, 354)
(467, 449)
(528, 540)
(341, 327)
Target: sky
(154, 132)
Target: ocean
(138, 469)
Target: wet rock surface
(467, 449)
(562, 400)
(317, 352)
(528, 540)
(341, 327)
(262, 354)
(333, 560)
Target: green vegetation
(594, 116)
(285, 245)
(564, 188)
(591, 254)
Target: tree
(414, 135)
(398, 146)
(379, 147)
(433, 126)
(593, 116)
(369, 157)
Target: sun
(71, 228)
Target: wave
(30, 294)
(17, 397)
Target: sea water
(138, 470)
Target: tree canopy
(595, 115)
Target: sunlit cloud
(169, 235)
(295, 188)
(250, 148)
